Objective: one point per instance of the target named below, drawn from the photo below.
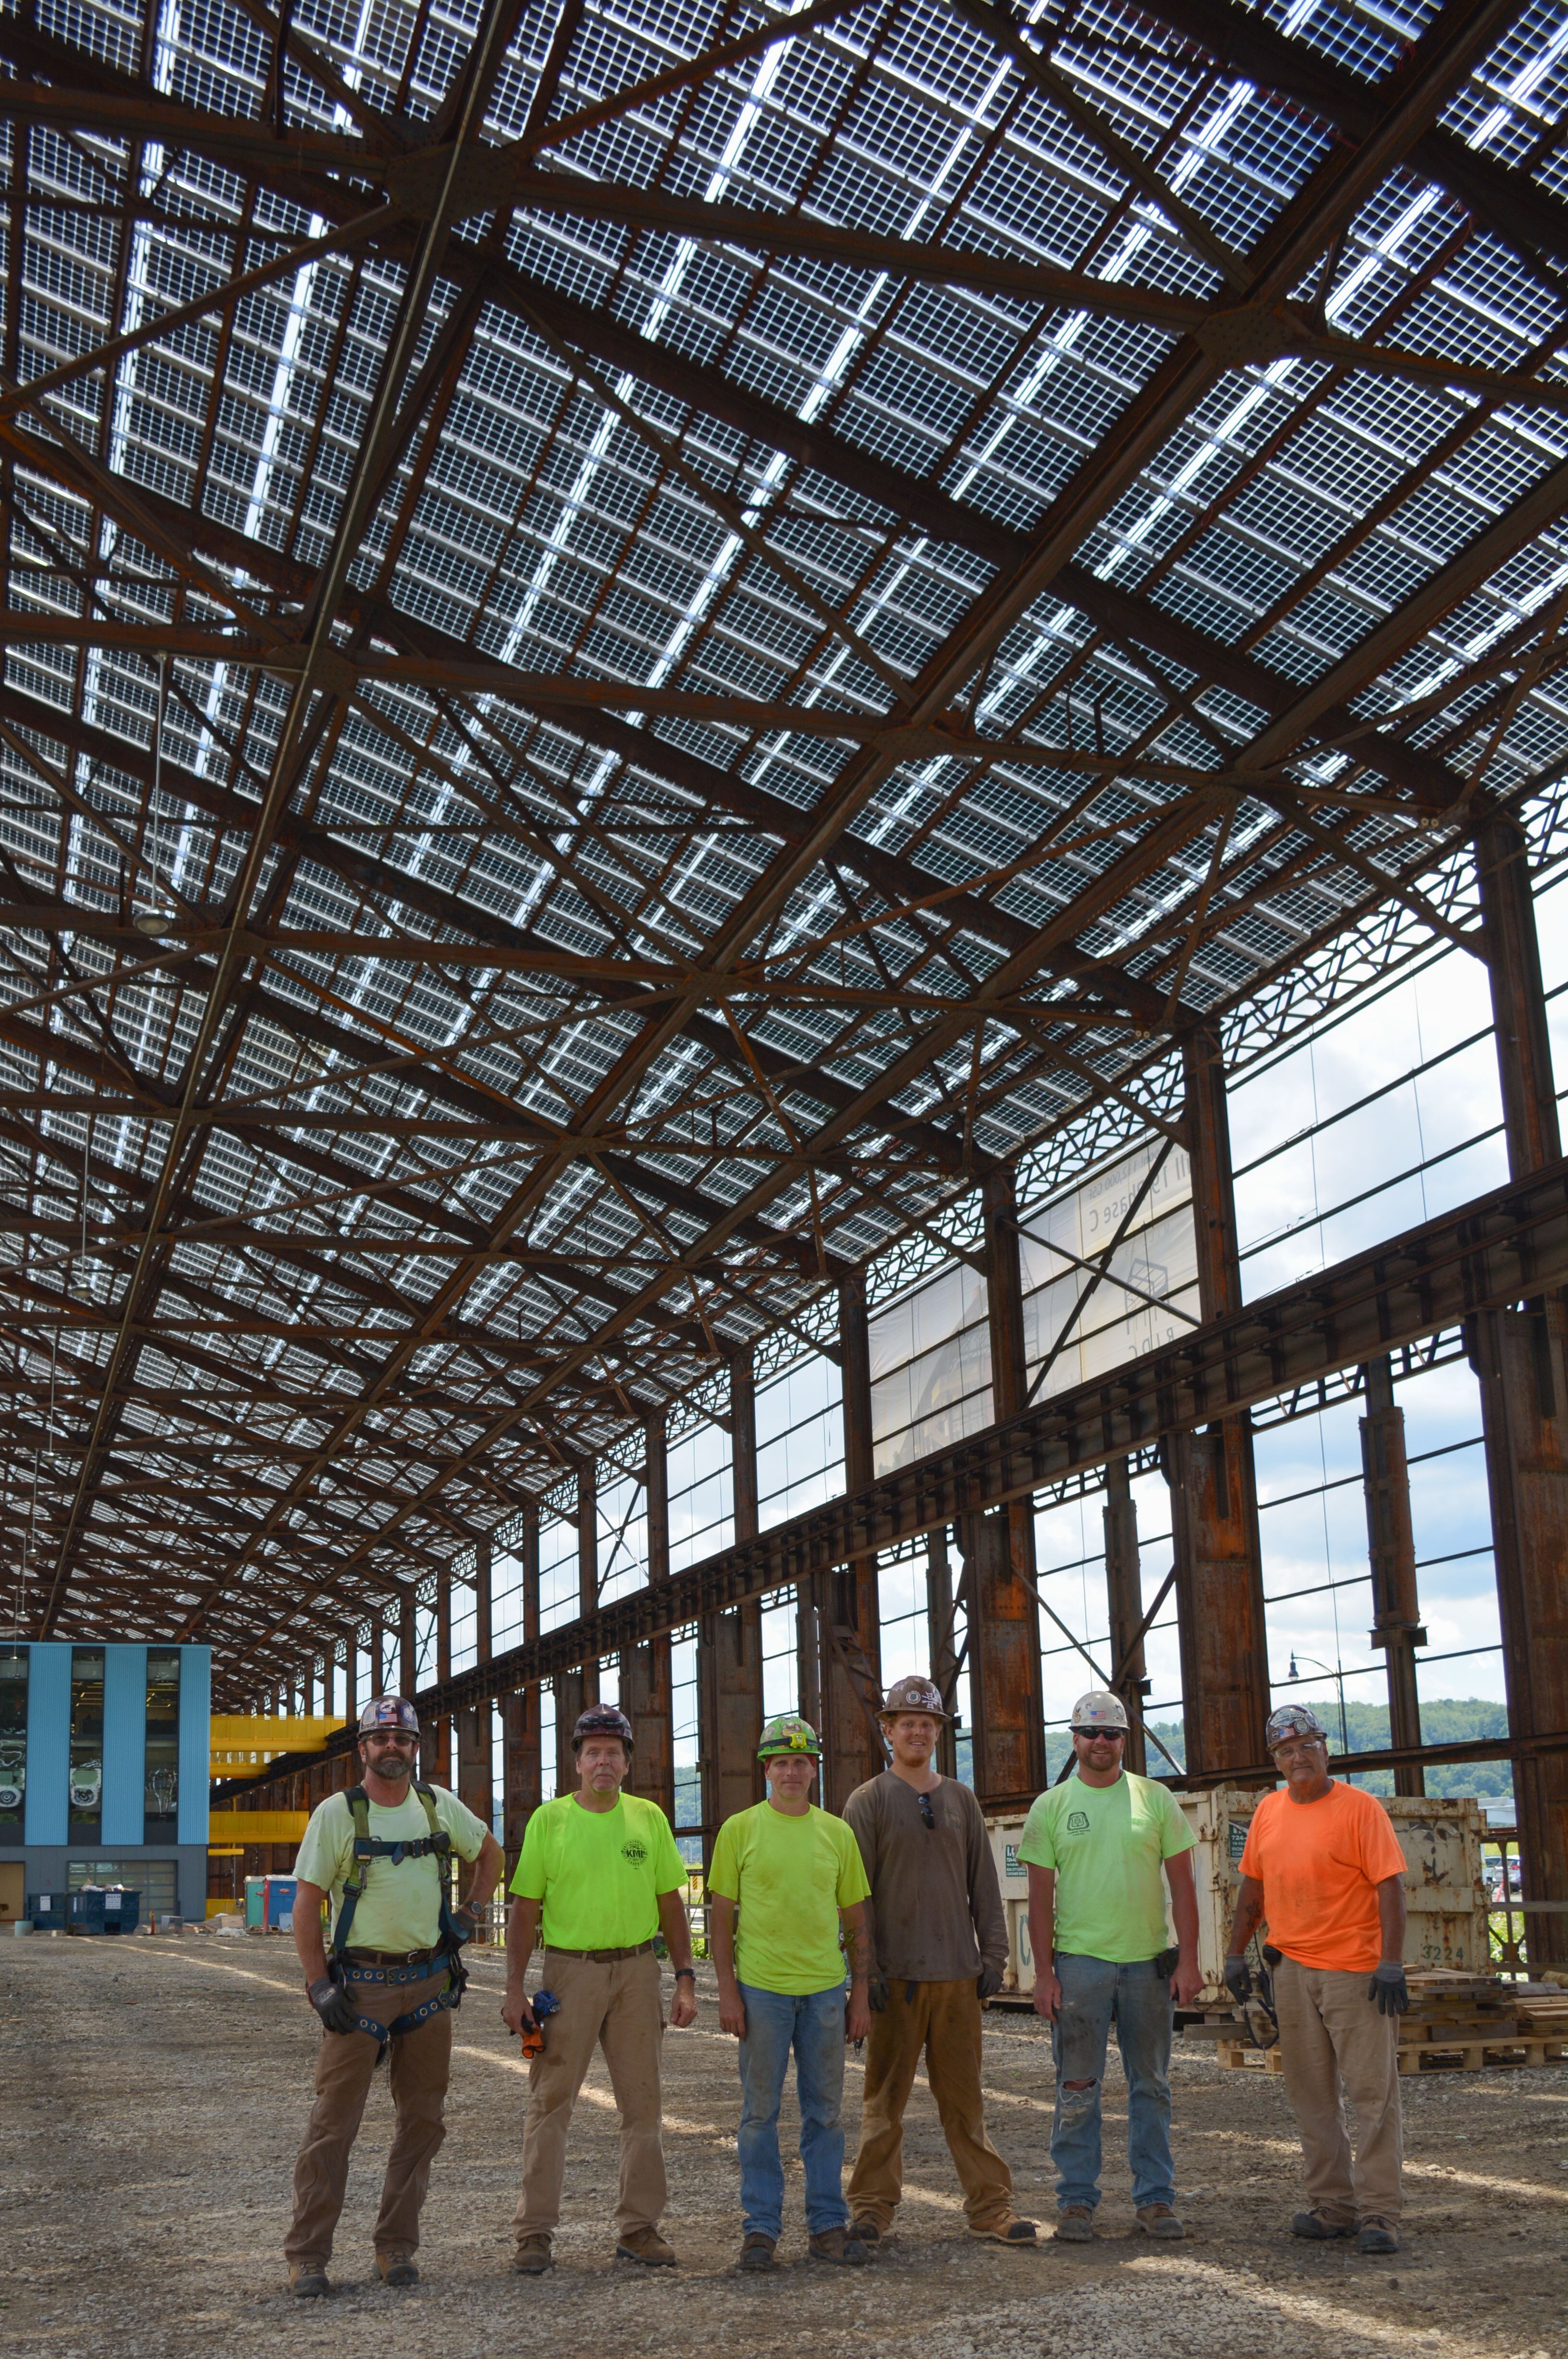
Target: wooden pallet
(1417, 2056)
(1480, 2055)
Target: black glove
(466, 1920)
(988, 1982)
(334, 2004)
(1238, 1979)
(1389, 1989)
(876, 1994)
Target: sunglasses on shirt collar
(926, 1814)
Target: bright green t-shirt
(1107, 1844)
(789, 1878)
(400, 1907)
(599, 1872)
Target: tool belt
(599, 1956)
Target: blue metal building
(103, 1765)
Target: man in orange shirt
(1323, 1867)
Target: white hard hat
(1099, 1713)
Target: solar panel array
(642, 637)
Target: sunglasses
(926, 1814)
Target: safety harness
(435, 1845)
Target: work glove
(1389, 1989)
(876, 1994)
(988, 1982)
(466, 1920)
(334, 2004)
(1238, 1979)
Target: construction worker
(1094, 1846)
(599, 1875)
(382, 1853)
(794, 1873)
(1324, 1866)
(938, 1944)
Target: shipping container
(1440, 1841)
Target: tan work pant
(942, 2021)
(418, 2069)
(618, 2007)
(1336, 2045)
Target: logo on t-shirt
(634, 1853)
(1077, 1823)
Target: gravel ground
(154, 2091)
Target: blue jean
(813, 2027)
(1096, 1993)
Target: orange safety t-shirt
(1320, 1864)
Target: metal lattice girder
(891, 576)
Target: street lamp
(1337, 1676)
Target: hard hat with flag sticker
(786, 1733)
(1099, 1714)
(913, 1694)
(389, 1715)
(1292, 1720)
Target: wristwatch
(686, 1974)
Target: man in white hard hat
(1094, 1847)
(1323, 1864)
(939, 1947)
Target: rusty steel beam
(1391, 1550)
(647, 1692)
(1521, 1355)
(1006, 1689)
(1124, 1597)
(1214, 1489)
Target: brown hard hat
(913, 1694)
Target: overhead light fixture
(151, 924)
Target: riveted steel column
(942, 1615)
(729, 1646)
(408, 1645)
(476, 1729)
(1124, 1597)
(848, 1620)
(569, 1700)
(1006, 1691)
(646, 1695)
(1521, 1359)
(1391, 1551)
(587, 1676)
(522, 1766)
(1218, 1552)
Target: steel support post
(329, 1682)
(847, 1615)
(351, 1695)
(1124, 1598)
(942, 1617)
(1391, 1550)
(646, 1685)
(570, 1698)
(521, 1767)
(729, 1646)
(437, 1738)
(378, 1652)
(1213, 1501)
(1521, 1358)
(1007, 1703)
(476, 1725)
(482, 1620)
(407, 1646)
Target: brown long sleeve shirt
(936, 1905)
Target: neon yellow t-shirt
(598, 1872)
(1107, 1844)
(400, 1907)
(789, 1878)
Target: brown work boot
(533, 2256)
(308, 2280)
(1074, 2224)
(647, 2246)
(866, 2232)
(1020, 2233)
(756, 2253)
(836, 2245)
(1158, 2220)
(396, 2268)
(1377, 2235)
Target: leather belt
(600, 1957)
